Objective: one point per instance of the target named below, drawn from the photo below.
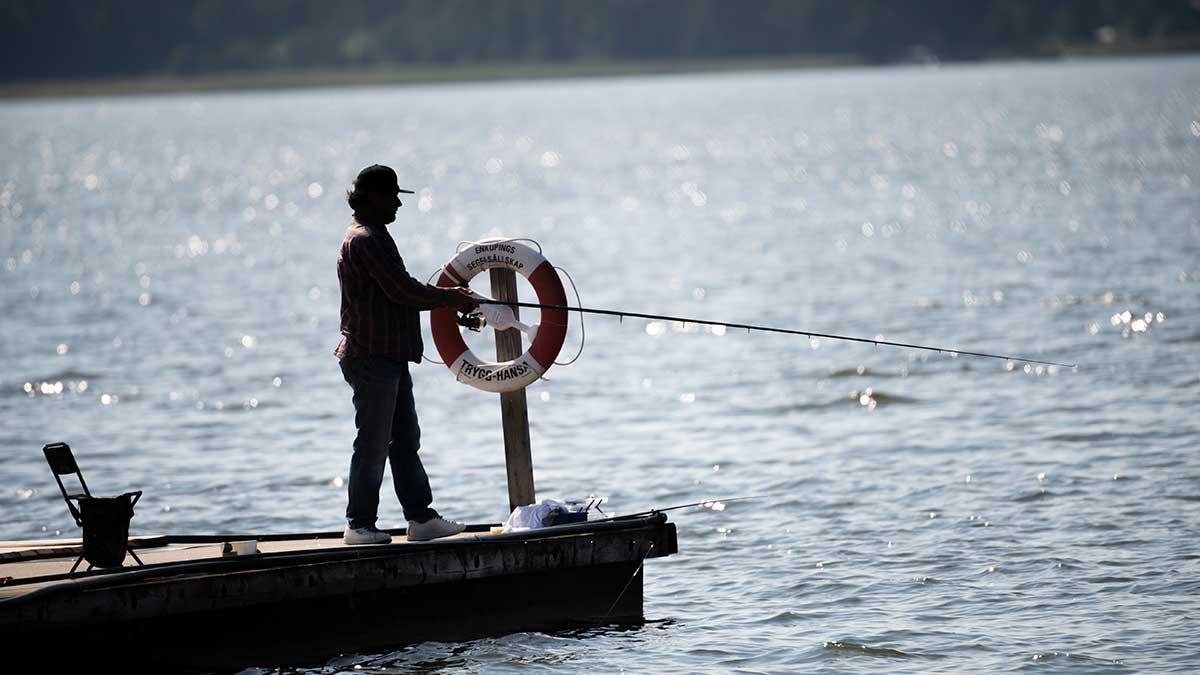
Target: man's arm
(386, 267)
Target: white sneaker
(365, 535)
(434, 528)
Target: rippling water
(169, 307)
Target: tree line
(131, 38)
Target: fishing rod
(769, 329)
(707, 503)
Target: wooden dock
(295, 598)
(309, 596)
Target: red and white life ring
(552, 331)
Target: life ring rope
(578, 303)
(464, 243)
(582, 327)
(550, 333)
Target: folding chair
(105, 520)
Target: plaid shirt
(380, 301)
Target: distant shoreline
(465, 73)
(393, 75)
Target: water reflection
(1029, 214)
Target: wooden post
(514, 412)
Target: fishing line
(649, 548)
(769, 329)
(631, 578)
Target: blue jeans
(386, 418)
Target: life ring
(526, 368)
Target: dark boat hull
(303, 605)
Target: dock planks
(310, 593)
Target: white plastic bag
(501, 317)
(533, 516)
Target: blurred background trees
(130, 38)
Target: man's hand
(460, 299)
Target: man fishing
(381, 334)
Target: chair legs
(89, 567)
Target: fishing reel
(498, 316)
(473, 322)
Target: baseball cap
(378, 177)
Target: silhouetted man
(381, 334)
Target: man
(381, 334)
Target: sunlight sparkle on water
(44, 388)
(865, 398)
(810, 210)
(1130, 324)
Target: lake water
(169, 307)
